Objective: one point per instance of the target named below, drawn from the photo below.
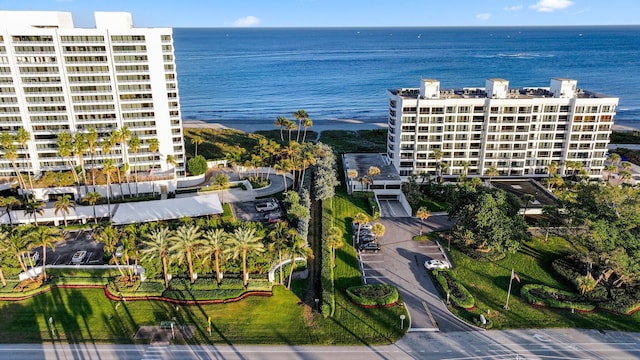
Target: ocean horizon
(340, 75)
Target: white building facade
(56, 78)
(518, 131)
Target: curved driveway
(401, 263)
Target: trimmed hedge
(220, 294)
(326, 271)
(542, 295)
(374, 295)
(458, 294)
(371, 200)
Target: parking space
(263, 210)
(76, 241)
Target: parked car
(78, 257)
(268, 206)
(370, 246)
(434, 264)
(273, 215)
(365, 226)
(366, 239)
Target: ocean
(248, 77)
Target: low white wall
(80, 192)
(190, 181)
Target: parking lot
(74, 241)
(248, 211)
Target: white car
(78, 256)
(434, 264)
(268, 206)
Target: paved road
(516, 344)
(401, 263)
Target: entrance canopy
(145, 211)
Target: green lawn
(489, 281)
(343, 141)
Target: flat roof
(480, 92)
(527, 186)
(155, 210)
(362, 161)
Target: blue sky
(320, 13)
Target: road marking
(433, 321)
(56, 261)
(423, 330)
(375, 261)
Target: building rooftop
(560, 88)
(362, 161)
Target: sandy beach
(318, 126)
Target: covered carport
(156, 210)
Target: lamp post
(317, 304)
(402, 317)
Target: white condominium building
(518, 131)
(57, 78)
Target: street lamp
(317, 304)
(402, 317)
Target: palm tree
(110, 237)
(334, 240)
(80, 146)
(92, 144)
(23, 137)
(185, 241)
(552, 168)
(491, 172)
(128, 248)
(610, 169)
(65, 149)
(17, 242)
(46, 237)
(92, 198)
(377, 230)
(107, 169)
(197, 140)
(306, 123)
(423, 214)
(527, 198)
(365, 180)
(34, 208)
(300, 115)
(299, 247)
(351, 174)
(373, 171)
(64, 204)
(281, 122)
(9, 203)
(360, 219)
(465, 167)
(213, 245)
(556, 180)
(153, 145)
(625, 175)
(244, 241)
(290, 125)
(134, 146)
(222, 181)
(171, 161)
(11, 154)
(284, 166)
(156, 243)
(614, 159)
(279, 237)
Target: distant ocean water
(251, 76)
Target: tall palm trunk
(245, 279)
(217, 259)
(165, 271)
(190, 265)
(44, 262)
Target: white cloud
(246, 21)
(513, 8)
(483, 16)
(551, 5)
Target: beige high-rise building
(56, 78)
(518, 131)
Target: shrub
(197, 165)
(458, 294)
(373, 295)
(371, 200)
(542, 295)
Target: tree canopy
(487, 221)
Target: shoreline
(253, 126)
(318, 126)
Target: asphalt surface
(515, 344)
